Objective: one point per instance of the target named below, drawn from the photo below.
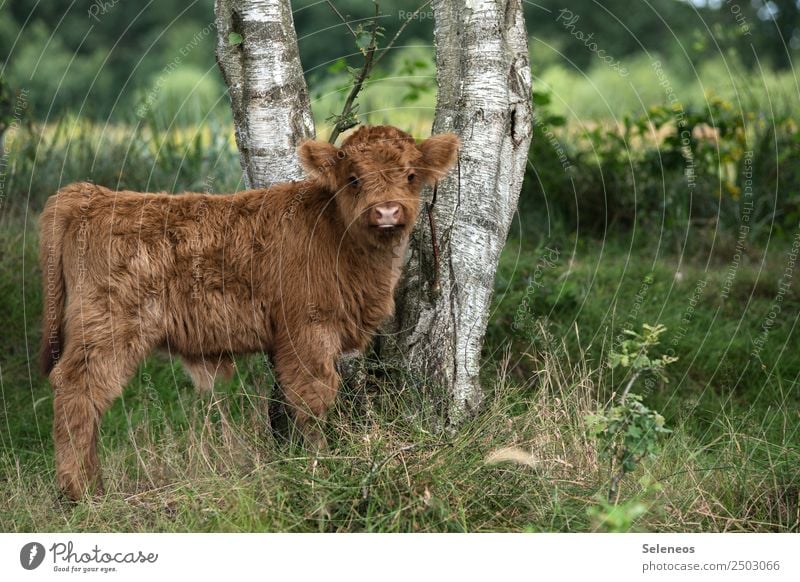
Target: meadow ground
(177, 461)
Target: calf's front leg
(306, 366)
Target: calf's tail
(52, 225)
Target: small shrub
(628, 432)
(667, 167)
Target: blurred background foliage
(106, 53)
(611, 85)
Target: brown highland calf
(303, 271)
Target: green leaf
(540, 98)
(410, 97)
(595, 423)
(234, 38)
(363, 40)
(337, 65)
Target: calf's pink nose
(387, 214)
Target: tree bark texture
(260, 62)
(484, 95)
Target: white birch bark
(269, 98)
(484, 96)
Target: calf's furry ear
(319, 159)
(439, 154)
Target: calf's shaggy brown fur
(303, 271)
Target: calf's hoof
(77, 489)
(313, 438)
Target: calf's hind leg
(204, 370)
(86, 382)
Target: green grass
(178, 461)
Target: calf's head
(375, 178)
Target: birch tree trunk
(484, 96)
(260, 62)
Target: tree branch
(628, 386)
(339, 14)
(344, 120)
(400, 31)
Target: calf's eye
(411, 177)
(354, 181)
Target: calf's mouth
(388, 227)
